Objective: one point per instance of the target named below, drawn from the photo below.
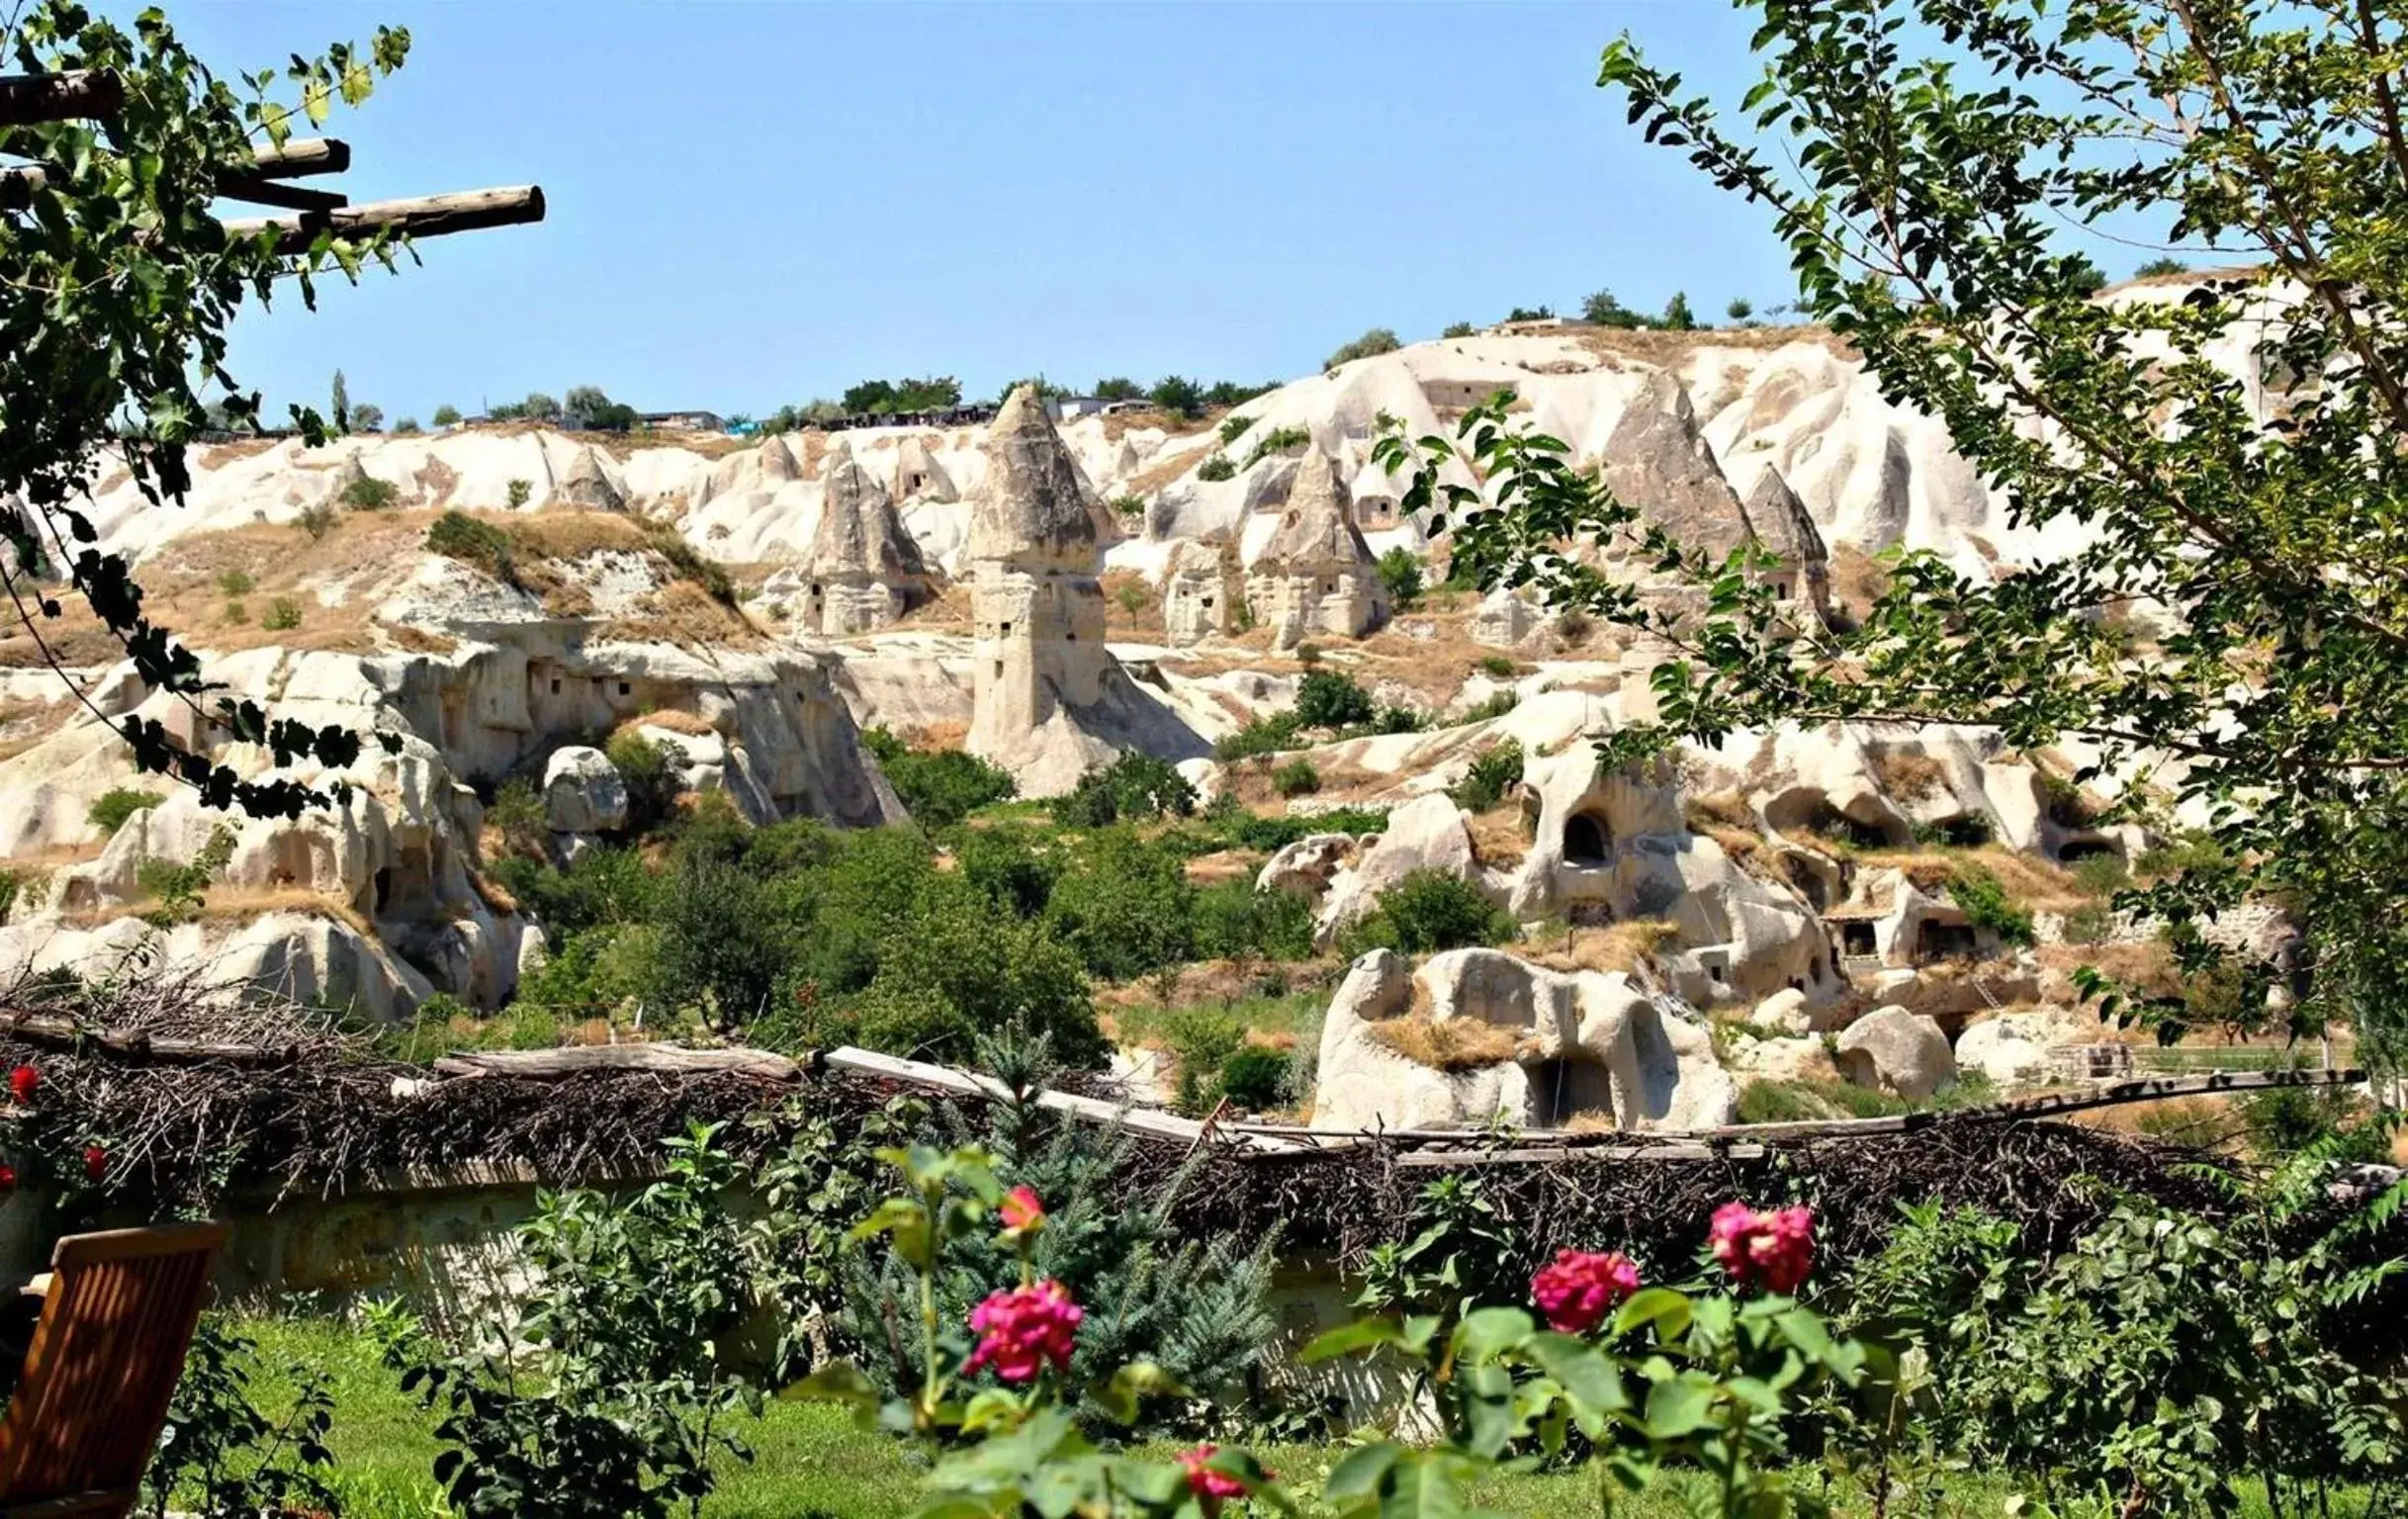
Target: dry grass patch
(1499, 836)
(1657, 345)
(674, 719)
(1626, 946)
(1224, 865)
(1449, 1044)
(1169, 466)
(1908, 776)
(1857, 578)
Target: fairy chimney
(1316, 574)
(863, 571)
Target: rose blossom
(1773, 1248)
(96, 1162)
(7, 1178)
(1206, 1481)
(1022, 1210)
(24, 1082)
(1023, 1327)
(1577, 1289)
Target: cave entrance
(1563, 1090)
(2075, 851)
(1943, 940)
(1856, 937)
(1586, 840)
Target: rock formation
(1196, 595)
(1541, 1049)
(1896, 1051)
(863, 571)
(1316, 574)
(1505, 619)
(1779, 523)
(918, 477)
(583, 483)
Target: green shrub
(1428, 911)
(1496, 706)
(236, 582)
(283, 615)
(317, 522)
(1001, 863)
(1296, 778)
(447, 416)
(2089, 923)
(2101, 875)
(650, 771)
(1277, 440)
(177, 889)
(1494, 771)
(1126, 505)
(1255, 1078)
(724, 946)
(1376, 341)
(1966, 831)
(109, 810)
(690, 564)
(1217, 468)
(949, 972)
(1233, 824)
(1497, 668)
(1400, 574)
(1457, 330)
(519, 816)
(1233, 429)
(458, 536)
(519, 491)
(1777, 1102)
(1233, 920)
(1260, 735)
(1393, 720)
(1132, 786)
(369, 494)
(942, 787)
(1327, 699)
(234, 614)
(1986, 905)
(1124, 906)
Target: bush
(406, 426)
(1254, 1078)
(1261, 736)
(1497, 705)
(1494, 771)
(1965, 831)
(1177, 395)
(1233, 920)
(1400, 574)
(517, 493)
(999, 862)
(949, 973)
(1497, 668)
(1132, 786)
(1296, 778)
(1457, 330)
(1327, 699)
(236, 582)
(1377, 340)
(1986, 905)
(1126, 505)
(283, 615)
(943, 788)
(458, 536)
(650, 771)
(317, 522)
(1217, 468)
(520, 817)
(1233, 429)
(369, 494)
(234, 613)
(2101, 875)
(724, 947)
(1428, 911)
(1125, 907)
(109, 810)
(2089, 923)
(1276, 441)
(447, 416)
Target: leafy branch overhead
(118, 286)
(2224, 609)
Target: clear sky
(759, 202)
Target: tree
(1677, 317)
(587, 407)
(1177, 394)
(447, 416)
(1400, 574)
(1377, 340)
(2156, 268)
(888, 398)
(117, 291)
(1457, 329)
(1740, 309)
(1228, 392)
(1604, 310)
(339, 397)
(367, 416)
(1924, 207)
(1531, 313)
(406, 426)
(1119, 387)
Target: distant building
(682, 421)
(1529, 324)
(1062, 408)
(1134, 404)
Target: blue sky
(756, 203)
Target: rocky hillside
(615, 626)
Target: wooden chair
(116, 1323)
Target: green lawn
(811, 1462)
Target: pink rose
(1579, 1287)
(1772, 1248)
(1023, 1327)
(1203, 1481)
(1022, 1210)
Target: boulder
(1303, 868)
(2012, 1048)
(1425, 833)
(1896, 1051)
(583, 792)
(1784, 1011)
(1782, 1059)
(1575, 1043)
(1504, 618)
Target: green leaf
(1669, 1310)
(1588, 1377)
(1486, 1333)
(1359, 1472)
(1421, 1487)
(1679, 1406)
(1353, 1339)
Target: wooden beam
(49, 1028)
(73, 95)
(264, 192)
(586, 1059)
(299, 159)
(431, 216)
(1138, 1120)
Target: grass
(1451, 1044)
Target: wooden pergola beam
(71, 95)
(429, 216)
(299, 159)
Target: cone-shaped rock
(1032, 509)
(864, 569)
(1781, 523)
(1316, 574)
